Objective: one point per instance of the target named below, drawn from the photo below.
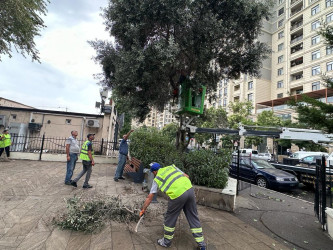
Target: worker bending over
(178, 187)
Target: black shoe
(87, 186)
(73, 183)
(121, 178)
(115, 179)
(68, 183)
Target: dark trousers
(6, 149)
(185, 202)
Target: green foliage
(212, 118)
(268, 118)
(170, 130)
(150, 145)
(241, 112)
(127, 125)
(158, 41)
(90, 215)
(20, 23)
(206, 168)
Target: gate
(323, 190)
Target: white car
(264, 156)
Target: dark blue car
(263, 174)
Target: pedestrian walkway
(32, 193)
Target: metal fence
(323, 190)
(56, 145)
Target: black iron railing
(56, 145)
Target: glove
(142, 212)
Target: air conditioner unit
(34, 126)
(93, 123)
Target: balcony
(296, 62)
(296, 48)
(296, 76)
(296, 25)
(296, 91)
(296, 9)
(296, 39)
(296, 36)
(294, 1)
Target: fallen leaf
(306, 242)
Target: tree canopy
(158, 43)
(20, 23)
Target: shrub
(206, 168)
(150, 145)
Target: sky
(64, 79)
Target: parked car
(302, 154)
(310, 161)
(263, 174)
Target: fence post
(41, 149)
(102, 146)
(238, 155)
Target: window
(280, 59)
(68, 121)
(329, 17)
(280, 23)
(280, 34)
(316, 70)
(250, 85)
(315, 86)
(329, 50)
(315, 25)
(280, 84)
(315, 54)
(315, 10)
(13, 116)
(250, 97)
(329, 3)
(280, 95)
(225, 91)
(224, 102)
(329, 66)
(280, 47)
(315, 40)
(281, 1)
(281, 11)
(280, 71)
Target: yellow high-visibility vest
(84, 151)
(172, 182)
(6, 141)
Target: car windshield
(261, 164)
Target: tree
(20, 23)
(160, 43)
(170, 130)
(212, 118)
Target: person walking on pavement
(72, 151)
(87, 157)
(123, 155)
(178, 187)
(5, 143)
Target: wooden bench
(134, 169)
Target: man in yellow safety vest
(5, 143)
(87, 157)
(178, 187)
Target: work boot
(87, 186)
(121, 178)
(73, 183)
(162, 243)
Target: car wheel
(262, 182)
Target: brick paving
(32, 193)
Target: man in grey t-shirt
(72, 151)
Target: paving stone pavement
(33, 192)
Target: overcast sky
(65, 76)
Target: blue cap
(154, 166)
